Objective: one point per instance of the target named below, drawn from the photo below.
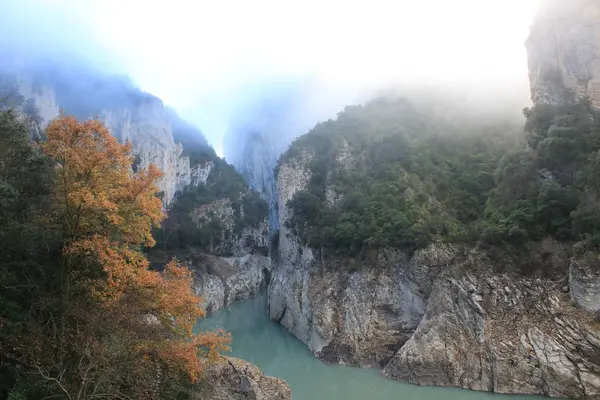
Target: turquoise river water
(268, 345)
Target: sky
(200, 56)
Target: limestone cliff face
(347, 311)
(235, 264)
(445, 316)
(129, 113)
(564, 48)
(232, 243)
(503, 333)
(256, 160)
(148, 128)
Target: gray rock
(344, 313)
(508, 343)
(232, 243)
(564, 45)
(228, 279)
(584, 281)
(148, 128)
(235, 379)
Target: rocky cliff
(239, 265)
(129, 113)
(267, 120)
(219, 228)
(504, 333)
(347, 310)
(444, 315)
(564, 50)
(147, 126)
(231, 269)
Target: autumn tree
(111, 327)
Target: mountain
(266, 121)
(216, 224)
(45, 85)
(564, 51)
(453, 244)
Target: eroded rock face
(148, 127)
(584, 280)
(344, 311)
(444, 316)
(221, 281)
(360, 317)
(235, 379)
(503, 334)
(564, 48)
(234, 241)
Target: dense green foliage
(181, 229)
(551, 187)
(28, 246)
(403, 177)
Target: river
(268, 345)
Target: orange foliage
(107, 212)
(97, 190)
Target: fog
(209, 59)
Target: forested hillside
(390, 174)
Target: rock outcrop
(147, 126)
(221, 281)
(233, 240)
(502, 333)
(235, 379)
(564, 50)
(239, 265)
(347, 311)
(445, 315)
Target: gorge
(410, 246)
(501, 308)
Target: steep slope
(236, 379)
(396, 249)
(564, 48)
(266, 121)
(220, 229)
(42, 86)
(201, 192)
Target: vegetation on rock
(182, 228)
(389, 174)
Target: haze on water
(268, 345)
